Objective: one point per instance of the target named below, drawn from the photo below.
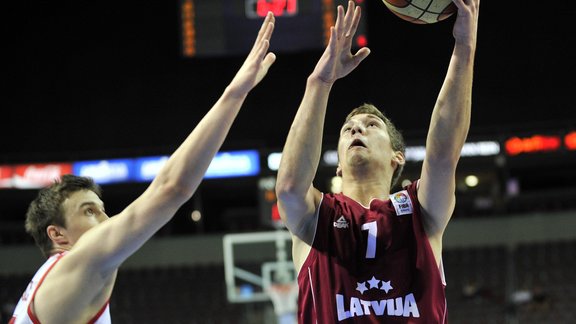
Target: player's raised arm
(297, 198)
(449, 126)
(88, 270)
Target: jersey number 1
(372, 229)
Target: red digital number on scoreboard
(259, 8)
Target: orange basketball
(421, 11)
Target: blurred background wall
(105, 80)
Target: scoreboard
(228, 27)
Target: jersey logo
(341, 223)
(401, 306)
(402, 203)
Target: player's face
(82, 211)
(364, 139)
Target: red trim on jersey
(29, 311)
(35, 319)
(95, 318)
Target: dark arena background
(93, 84)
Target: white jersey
(23, 314)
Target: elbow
(175, 191)
(289, 194)
(288, 189)
(292, 206)
(285, 191)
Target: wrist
(235, 92)
(464, 46)
(316, 81)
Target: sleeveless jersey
(371, 265)
(23, 314)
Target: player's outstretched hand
(338, 60)
(466, 24)
(258, 61)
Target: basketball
(421, 11)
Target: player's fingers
(333, 39)
(262, 45)
(262, 50)
(339, 21)
(349, 16)
(361, 55)
(268, 61)
(268, 31)
(355, 22)
(351, 31)
(269, 19)
(264, 30)
(463, 4)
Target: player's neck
(57, 249)
(366, 190)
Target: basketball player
(368, 255)
(85, 247)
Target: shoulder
(411, 190)
(340, 203)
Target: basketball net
(284, 297)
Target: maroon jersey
(371, 264)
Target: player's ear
(398, 158)
(339, 170)
(57, 234)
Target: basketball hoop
(284, 297)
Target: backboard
(255, 261)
